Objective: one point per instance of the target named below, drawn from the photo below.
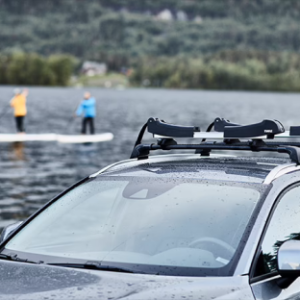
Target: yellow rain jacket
(19, 104)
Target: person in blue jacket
(88, 108)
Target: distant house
(91, 68)
(198, 20)
(181, 16)
(124, 10)
(165, 15)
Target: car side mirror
(288, 259)
(8, 230)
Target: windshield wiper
(14, 257)
(94, 265)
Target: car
(201, 225)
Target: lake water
(32, 173)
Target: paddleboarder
(18, 102)
(88, 108)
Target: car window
(284, 225)
(144, 221)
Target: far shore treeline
(226, 70)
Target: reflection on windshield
(143, 221)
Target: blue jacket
(87, 107)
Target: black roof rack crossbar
(142, 151)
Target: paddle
(72, 118)
(4, 111)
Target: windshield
(161, 226)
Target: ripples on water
(32, 173)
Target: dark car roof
(246, 169)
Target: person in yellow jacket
(18, 102)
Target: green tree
(17, 69)
(62, 66)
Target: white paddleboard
(8, 137)
(95, 138)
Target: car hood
(27, 281)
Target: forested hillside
(118, 30)
(125, 33)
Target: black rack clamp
(294, 130)
(292, 151)
(160, 127)
(221, 123)
(141, 151)
(267, 127)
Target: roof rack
(258, 137)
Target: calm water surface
(32, 173)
